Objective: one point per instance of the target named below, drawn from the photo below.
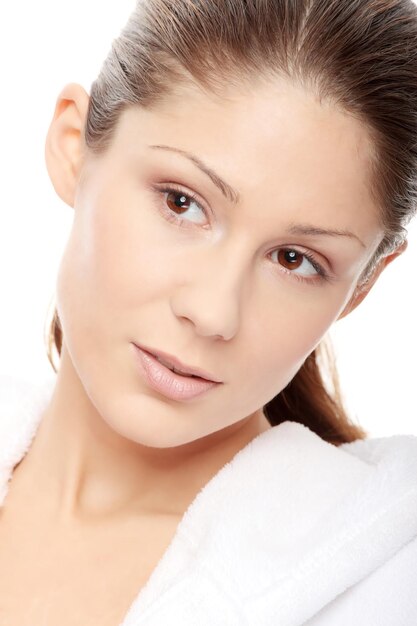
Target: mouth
(176, 366)
(160, 375)
(175, 370)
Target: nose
(211, 298)
(214, 311)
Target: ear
(360, 293)
(64, 146)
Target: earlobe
(360, 293)
(64, 145)
(358, 296)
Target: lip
(164, 381)
(174, 362)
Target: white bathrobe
(291, 531)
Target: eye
(179, 202)
(290, 257)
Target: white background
(44, 45)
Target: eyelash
(322, 275)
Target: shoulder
(22, 403)
(385, 597)
(385, 594)
(372, 449)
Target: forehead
(273, 136)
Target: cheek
(78, 300)
(281, 341)
(118, 258)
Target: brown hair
(358, 55)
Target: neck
(82, 469)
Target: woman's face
(236, 287)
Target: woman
(241, 173)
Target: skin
(211, 291)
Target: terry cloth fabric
(291, 531)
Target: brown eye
(177, 203)
(288, 258)
(176, 199)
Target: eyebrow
(225, 188)
(234, 196)
(308, 229)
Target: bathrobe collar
(290, 516)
